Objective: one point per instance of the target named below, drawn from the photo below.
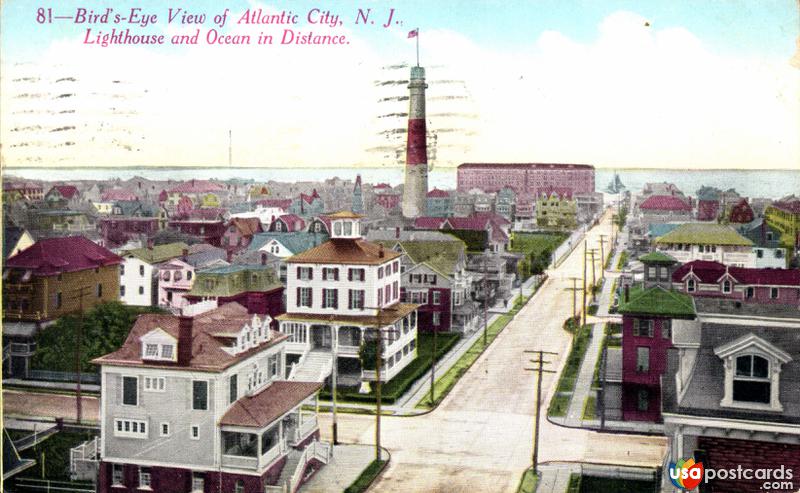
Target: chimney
(229, 254)
(397, 232)
(150, 243)
(185, 254)
(380, 250)
(627, 293)
(263, 258)
(185, 340)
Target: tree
(367, 354)
(105, 328)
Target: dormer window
(752, 373)
(158, 345)
(151, 351)
(167, 351)
(691, 286)
(726, 286)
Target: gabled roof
(345, 251)
(426, 222)
(309, 198)
(247, 226)
(279, 203)
(207, 348)
(664, 203)
(437, 193)
(295, 241)
(197, 186)
(293, 222)
(751, 340)
(791, 206)
(230, 280)
(50, 256)
(712, 272)
(442, 256)
(115, 194)
(658, 301)
(159, 253)
(261, 409)
(11, 236)
(560, 192)
(66, 191)
(704, 234)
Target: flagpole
(417, 36)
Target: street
(480, 437)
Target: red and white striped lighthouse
(416, 179)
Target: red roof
(309, 198)
(66, 191)
(426, 222)
(118, 194)
(197, 186)
(495, 218)
(792, 206)
(382, 186)
(436, 193)
(210, 334)
(665, 203)
(279, 203)
(711, 272)
(261, 409)
(293, 222)
(50, 256)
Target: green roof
(704, 234)
(659, 302)
(231, 280)
(159, 253)
(442, 256)
(657, 257)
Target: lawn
(537, 247)
(566, 381)
(574, 485)
(590, 407)
(367, 476)
(398, 385)
(528, 482)
(623, 259)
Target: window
(305, 273)
(664, 274)
(356, 274)
(117, 475)
(642, 327)
(164, 429)
(419, 297)
(773, 293)
(395, 290)
(666, 329)
(198, 482)
(189, 275)
(642, 359)
(356, 299)
(396, 266)
(122, 291)
(330, 298)
(437, 298)
(330, 274)
(130, 391)
(130, 428)
(651, 272)
(272, 365)
(151, 350)
(304, 297)
(141, 270)
(749, 292)
(167, 351)
(200, 395)
(194, 432)
(99, 290)
(380, 297)
(751, 382)
(726, 286)
(387, 293)
(437, 318)
(121, 269)
(337, 228)
(154, 384)
(166, 275)
(643, 400)
(380, 272)
(58, 300)
(144, 477)
(239, 483)
(690, 285)
(141, 289)
(233, 389)
(759, 253)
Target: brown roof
(247, 226)
(345, 251)
(207, 345)
(387, 316)
(270, 404)
(345, 215)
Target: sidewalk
(555, 478)
(346, 465)
(583, 384)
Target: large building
(525, 178)
(198, 403)
(338, 291)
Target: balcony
(22, 349)
(23, 315)
(240, 462)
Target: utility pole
(82, 291)
(539, 370)
(603, 256)
(574, 290)
(334, 377)
(378, 364)
(583, 307)
(433, 365)
(601, 403)
(594, 279)
(485, 296)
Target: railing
(240, 462)
(348, 350)
(18, 287)
(22, 315)
(22, 349)
(297, 476)
(305, 429)
(275, 489)
(63, 376)
(315, 450)
(321, 451)
(32, 484)
(273, 453)
(84, 460)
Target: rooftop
(442, 256)
(657, 257)
(525, 165)
(158, 253)
(261, 409)
(704, 234)
(345, 251)
(664, 203)
(50, 256)
(659, 302)
(712, 272)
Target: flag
(414, 33)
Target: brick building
(525, 178)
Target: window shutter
(298, 297)
(335, 274)
(310, 273)
(298, 273)
(336, 298)
(324, 274)
(349, 274)
(310, 297)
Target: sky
(672, 84)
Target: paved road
(21, 404)
(479, 438)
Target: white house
(138, 273)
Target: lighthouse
(416, 179)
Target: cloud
(636, 95)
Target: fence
(48, 486)
(63, 376)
